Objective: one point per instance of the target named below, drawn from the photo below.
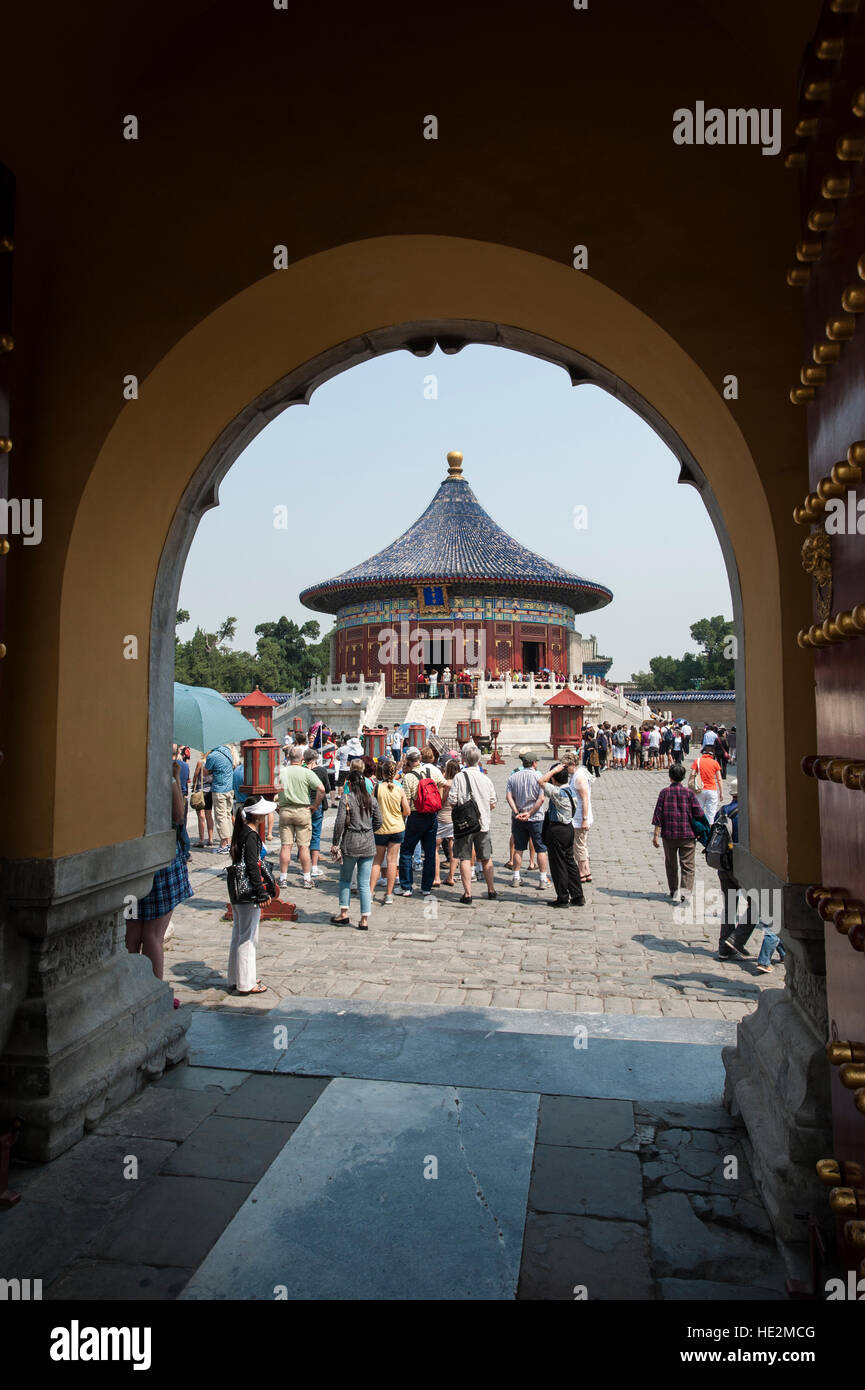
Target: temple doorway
(533, 656)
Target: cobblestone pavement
(624, 952)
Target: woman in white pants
(246, 845)
(709, 770)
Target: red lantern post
(375, 743)
(462, 731)
(260, 770)
(416, 735)
(495, 729)
(566, 719)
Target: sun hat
(261, 807)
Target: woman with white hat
(246, 845)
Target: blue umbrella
(404, 728)
(204, 719)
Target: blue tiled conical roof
(456, 542)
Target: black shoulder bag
(466, 817)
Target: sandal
(259, 988)
(340, 921)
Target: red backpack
(427, 797)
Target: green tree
(716, 637)
(285, 649)
(286, 656)
(711, 669)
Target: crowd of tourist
(428, 809)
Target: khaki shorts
(481, 842)
(295, 825)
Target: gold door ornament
(817, 561)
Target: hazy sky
(361, 462)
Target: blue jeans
(317, 818)
(364, 867)
(771, 943)
(420, 828)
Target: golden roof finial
(455, 464)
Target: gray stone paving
(257, 1180)
(625, 1203)
(624, 952)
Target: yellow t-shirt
(389, 799)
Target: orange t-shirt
(709, 770)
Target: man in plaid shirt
(674, 809)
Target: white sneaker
(516, 881)
(315, 873)
(307, 881)
(402, 892)
(283, 880)
(388, 899)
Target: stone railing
(361, 700)
(376, 699)
(479, 707)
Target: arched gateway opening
(269, 347)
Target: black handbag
(466, 817)
(240, 889)
(239, 886)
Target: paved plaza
(340, 1150)
(623, 953)
(498, 1102)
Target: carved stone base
(778, 1078)
(777, 1081)
(90, 1023)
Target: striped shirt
(524, 788)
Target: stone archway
(270, 346)
(160, 467)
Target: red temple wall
(358, 650)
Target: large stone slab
(95, 1173)
(274, 1098)
(704, 1290)
(587, 1182)
(552, 1022)
(684, 1247)
(187, 1078)
(585, 1124)
(566, 1255)
(240, 1042)
(231, 1147)
(345, 1211)
(423, 1050)
(174, 1221)
(162, 1113)
(101, 1281)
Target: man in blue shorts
(525, 796)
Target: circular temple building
(454, 590)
